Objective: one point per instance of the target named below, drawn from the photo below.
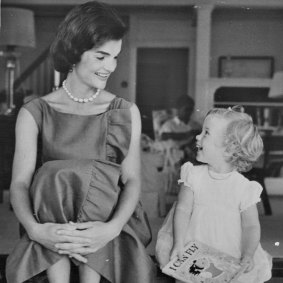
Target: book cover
(203, 264)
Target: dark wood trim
(27, 72)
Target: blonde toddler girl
(216, 203)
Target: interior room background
(175, 47)
(164, 34)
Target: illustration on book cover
(203, 264)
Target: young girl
(216, 204)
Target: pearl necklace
(80, 100)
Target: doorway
(162, 76)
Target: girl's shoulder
(250, 192)
(190, 171)
(244, 182)
(196, 168)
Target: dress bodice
(80, 181)
(219, 200)
(103, 136)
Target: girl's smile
(209, 144)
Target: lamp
(17, 30)
(276, 86)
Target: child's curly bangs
(242, 142)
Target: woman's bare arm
(130, 176)
(23, 169)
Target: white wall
(163, 29)
(122, 73)
(242, 32)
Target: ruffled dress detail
(219, 200)
(79, 181)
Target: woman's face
(97, 64)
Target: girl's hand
(177, 250)
(47, 235)
(163, 257)
(96, 235)
(248, 262)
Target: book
(201, 263)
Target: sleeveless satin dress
(79, 181)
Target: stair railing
(38, 76)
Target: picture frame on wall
(246, 66)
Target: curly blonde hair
(242, 142)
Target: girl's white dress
(219, 200)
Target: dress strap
(34, 107)
(119, 103)
(119, 125)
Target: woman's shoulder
(53, 99)
(38, 101)
(117, 102)
(35, 107)
(33, 104)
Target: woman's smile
(103, 76)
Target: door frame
(186, 42)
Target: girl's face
(97, 64)
(210, 142)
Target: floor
(271, 236)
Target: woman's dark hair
(86, 26)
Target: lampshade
(17, 27)
(276, 86)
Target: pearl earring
(71, 69)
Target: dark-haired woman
(81, 204)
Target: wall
(243, 32)
(118, 82)
(46, 27)
(166, 28)
(246, 32)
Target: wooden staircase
(38, 77)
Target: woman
(89, 182)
